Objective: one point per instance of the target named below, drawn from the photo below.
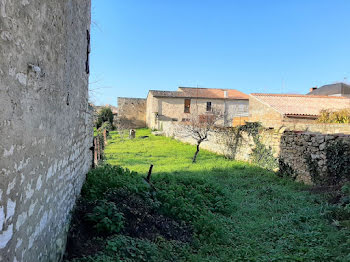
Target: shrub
(106, 126)
(105, 115)
(106, 217)
(340, 116)
(104, 178)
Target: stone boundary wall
(132, 112)
(45, 124)
(309, 156)
(322, 128)
(285, 149)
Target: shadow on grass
(226, 214)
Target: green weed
(238, 211)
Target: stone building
(177, 106)
(45, 123)
(132, 112)
(275, 110)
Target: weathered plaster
(45, 123)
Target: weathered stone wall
(308, 154)
(315, 127)
(132, 111)
(151, 111)
(45, 124)
(267, 116)
(281, 148)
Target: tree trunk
(195, 154)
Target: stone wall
(266, 115)
(132, 112)
(312, 126)
(309, 156)
(300, 152)
(45, 123)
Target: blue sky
(270, 46)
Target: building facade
(180, 105)
(275, 110)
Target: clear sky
(269, 46)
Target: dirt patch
(81, 240)
(142, 219)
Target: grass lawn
(214, 210)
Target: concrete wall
(45, 125)
(132, 111)
(172, 109)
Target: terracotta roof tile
(189, 92)
(302, 104)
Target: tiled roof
(304, 105)
(213, 93)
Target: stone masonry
(291, 146)
(132, 112)
(45, 123)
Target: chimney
(225, 94)
(313, 88)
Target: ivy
(261, 154)
(338, 165)
(338, 162)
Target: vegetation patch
(214, 210)
(121, 205)
(337, 164)
(260, 155)
(341, 116)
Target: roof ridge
(223, 89)
(298, 95)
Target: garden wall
(306, 156)
(314, 157)
(132, 112)
(45, 123)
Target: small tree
(105, 115)
(198, 127)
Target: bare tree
(198, 127)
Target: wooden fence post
(95, 152)
(105, 136)
(98, 149)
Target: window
(187, 105)
(208, 106)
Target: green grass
(238, 211)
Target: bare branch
(198, 127)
